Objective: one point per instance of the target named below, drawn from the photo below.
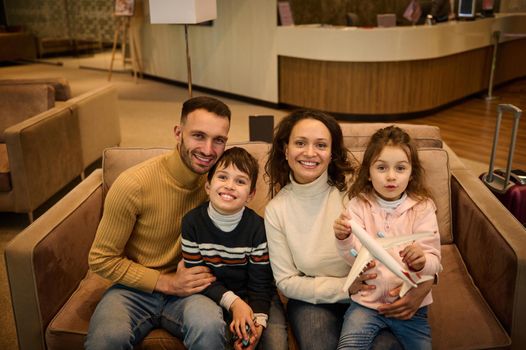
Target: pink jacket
(410, 217)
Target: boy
(230, 239)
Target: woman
(307, 167)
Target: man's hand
(406, 307)
(185, 281)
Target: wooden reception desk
(399, 70)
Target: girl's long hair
(390, 136)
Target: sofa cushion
(18, 103)
(117, 159)
(68, 329)
(458, 303)
(5, 176)
(357, 135)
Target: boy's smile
(229, 189)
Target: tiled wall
(78, 19)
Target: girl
(389, 196)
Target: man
(137, 245)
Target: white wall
(236, 55)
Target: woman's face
(308, 151)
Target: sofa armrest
(493, 246)
(44, 156)
(47, 260)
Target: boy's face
(229, 189)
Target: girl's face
(390, 173)
(308, 151)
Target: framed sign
(285, 13)
(124, 7)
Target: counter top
(403, 43)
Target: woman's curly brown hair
(277, 167)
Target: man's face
(202, 139)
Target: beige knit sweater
(139, 235)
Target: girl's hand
(359, 284)
(242, 315)
(341, 226)
(414, 257)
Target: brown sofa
(479, 302)
(45, 144)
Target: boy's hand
(253, 340)
(414, 257)
(242, 315)
(341, 226)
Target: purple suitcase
(509, 186)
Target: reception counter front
(398, 70)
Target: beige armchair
(44, 146)
(481, 290)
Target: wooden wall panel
(395, 87)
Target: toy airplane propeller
(376, 248)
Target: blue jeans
(362, 324)
(318, 326)
(275, 335)
(125, 316)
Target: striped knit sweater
(139, 235)
(238, 259)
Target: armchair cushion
(17, 103)
(61, 85)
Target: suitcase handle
(501, 108)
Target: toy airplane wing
(363, 258)
(388, 242)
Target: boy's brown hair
(390, 136)
(242, 160)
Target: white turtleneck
(390, 206)
(225, 223)
(304, 259)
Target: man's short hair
(242, 160)
(210, 104)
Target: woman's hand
(341, 226)
(359, 284)
(406, 307)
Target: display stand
(124, 30)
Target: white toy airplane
(376, 248)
